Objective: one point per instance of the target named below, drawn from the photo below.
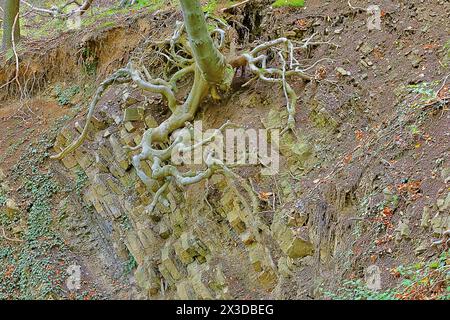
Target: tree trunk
(11, 8)
(209, 60)
(85, 6)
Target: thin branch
(119, 76)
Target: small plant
(142, 3)
(81, 181)
(130, 265)
(65, 96)
(152, 4)
(125, 223)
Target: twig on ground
(355, 8)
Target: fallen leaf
(321, 73)
(429, 46)
(302, 24)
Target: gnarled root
(284, 49)
(182, 56)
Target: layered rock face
(207, 242)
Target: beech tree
(11, 23)
(201, 57)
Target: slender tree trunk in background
(11, 9)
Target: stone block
(443, 204)
(170, 263)
(164, 230)
(425, 221)
(129, 127)
(235, 220)
(126, 138)
(185, 291)
(84, 157)
(133, 114)
(268, 278)
(113, 205)
(99, 186)
(247, 238)
(147, 279)
(116, 170)
(173, 202)
(135, 247)
(79, 126)
(115, 186)
(185, 256)
(294, 245)
(149, 241)
(440, 223)
(200, 279)
(98, 123)
(11, 208)
(177, 222)
(69, 161)
(150, 121)
(137, 136)
(119, 153)
(257, 257)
